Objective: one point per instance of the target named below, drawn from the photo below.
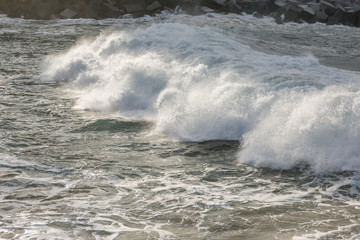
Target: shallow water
(178, 127)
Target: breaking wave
(200, 83)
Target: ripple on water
(81, 177)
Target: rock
(44, 8)
(296, 8)
(93, 9)
(111, 2)
(127, 16)
(328, 8)
(15, 13)
(333, 20)
(68, 13)
(134, 7)
(221, 2)
(280, 3)
(277, 16)
(314, 6)
(303, 13)
(321, 16)
(357, 23)
(327, 4)
(350, 19)
(307, 9)
(111, 7)
(111, 10)
(153, 7)
(79, 5)
(340, 7)
(95, 3)
(267, 7)
(327, 11)
(291, 16)
(216, 5)
(350, 9)
(41, 11)
(89, 12)
(252, 6)
(11, 8)
(258, 15)
(207, 10)
(83, 9)
(54, 17)
(2, 4)
(169, 3)
(30, 14)
(193, 10)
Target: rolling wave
(198, 84)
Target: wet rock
(307, 14)
(111, 10)
(221, 2)
(278, 16)
(328, 8)
(307, 9)
(267, 7)
(95, 3)
(44, 9)
(234, 7)
(333, 20)
(134, 7)
(2, 4)
(280, 3)
(111, 6)
(258, 15)
(153, 7)
(169, 3)
(346, 18)
(327, 11)
(321, 16)
(215, 5)
(207, 9)
(93, 9)
(191, 7)
(291, 16)
(327, 4)
(68, 13)
(127, 16)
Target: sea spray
(72, 174)
(320, 128)
(198, 84)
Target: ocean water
(179, 127)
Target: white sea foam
(345, 232)
(198, 83)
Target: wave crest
(197, 83)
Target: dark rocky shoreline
(345, 12)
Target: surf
(197, 84)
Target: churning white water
(198, 83)
(179, 127)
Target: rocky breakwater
(331, 12)
(96, 9)
(345, 12)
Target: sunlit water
(179, 127)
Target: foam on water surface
(115, 172)
(198, 83)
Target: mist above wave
(197, 84)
